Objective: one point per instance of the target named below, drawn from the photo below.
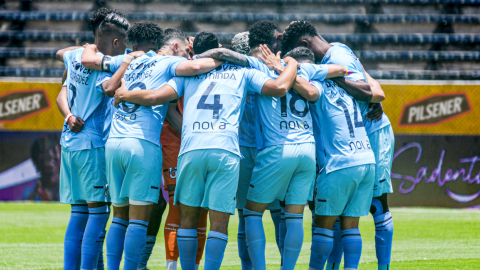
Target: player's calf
(116, 235)
(383, 230)
(322, 241)
(136, 236)
(74, 235)
(93, 238)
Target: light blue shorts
(208, 178)
(283, 172)
(246, 168)
(382, 142)
(134, 170)
(345, 192)
(82, 176)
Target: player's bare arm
(75, 123)
(301, 86)
(377, 91)
(226, 55)
(158, 96)
(281, 85)
(197, 66)
(91, 60)
(174, 117)
(359, 90)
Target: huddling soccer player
(379, 132)
(133, 150)
(82, 176)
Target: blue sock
(242, 243)
(256, 240)
(92, 239)
(100, 264)
(293, 240)
(313, 221)
(336, 255)
(215, 249)
(135, 240)
(352, 247)
(322, 244)
(151, 239)
(187, 247)
(73, 237)
(282, 230)
(115, 242)
(383, 239)
(276, 216)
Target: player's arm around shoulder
(282, 84)
(61, 53)
(226, 55)
(197, 66)
(377, 92)
(159, 96)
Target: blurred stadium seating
(399, 39)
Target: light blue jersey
(150, 71)
(86, 100)
(285, 120)
(343, 137)
(109, 107)
(247, 131)
(213, 106)
(340, 54)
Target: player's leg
(335, 258)
(115, 178)
(220, 192)
(201, 236)
(78, 217)
(299, 190)
(152, 231)
(333, 192)
(357, 206)
(136, 236)
(282, 231)
(189, 194)
(255, 233)
(276, 215)
(246, 167)
(383, 143)
(90, 165)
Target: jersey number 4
(216, 106)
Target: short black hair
(301, 53)
(261, 32)
(205, 41)
(294, 32)
(170, 34)
(113, 19)
(145, 31)
(99, 15)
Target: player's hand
(136, 54)
(271, 60)
(375, 113)
(119, 93)
(289, 60)
(75, 124)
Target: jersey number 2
(215, 107)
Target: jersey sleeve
(178, 84)
(256, 80)
(313, 72)
(347, 59)
(173, 63)
(66, 58)
(102, 77)
(116, 62)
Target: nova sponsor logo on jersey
(284, 125)
(212, 126)
(17, 105)
(360, 145)
(435, 109)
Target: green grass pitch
(31, 237)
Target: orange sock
(201, 234)
(171, 226)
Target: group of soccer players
(279, 119)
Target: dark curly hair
(145, 31)
(114, 22)
(301, 53)
(294, 32)
(99, 15)
(170, 34)
(261, 32)
(205, 41)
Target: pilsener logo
(435, 109)
(19, 104)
